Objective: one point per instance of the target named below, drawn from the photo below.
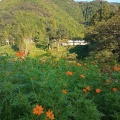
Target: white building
(75, 42)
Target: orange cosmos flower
(69, 73)
(78, 64)
(116, 68)
(82, 76)
(98, 90)
(38, 110)
(88, 88)
(64, 91)
(50, 115)
(20, 54)
(85, 90)
(114, 89)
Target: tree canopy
(36, 20)
(105, 38)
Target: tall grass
(72, 91)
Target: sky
(106, 0)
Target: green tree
(105, 40)
(97, 10)
(39, 20)
(26, 29)
(62, 35)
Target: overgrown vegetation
(38, 21)
(98, 10)
(105, 39)
(71, 90)
(41, 79)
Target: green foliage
(30, 20)
(105, 41)
(82, 51)
(97, 10)
(25, 83)
(71, 8)
(7, 49)
(103, 14)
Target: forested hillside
(91, 10)
(22, 21)
(72, 8)
(42, 21)
(105, 39)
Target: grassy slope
(7, 49)
(33, 53)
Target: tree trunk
(27, 42)
(58, 46)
